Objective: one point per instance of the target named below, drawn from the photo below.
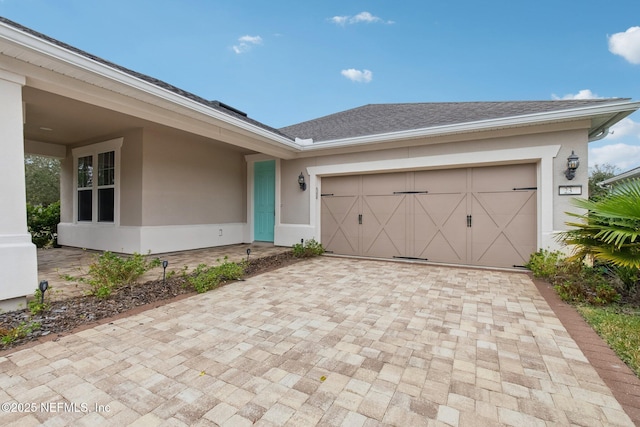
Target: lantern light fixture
(573, 162)
(301, 182)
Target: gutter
(619, 109)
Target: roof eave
(633, 173)
(42, 48)
(617, 111)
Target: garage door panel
(341, 185)
(503, 178)
(439, 227)
(339, 224)
(383, 184)
(499, 253)
(442, 247)
(441, 181)
(384, 225)
(503, 228)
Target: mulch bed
(70, 314)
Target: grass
(620, 328)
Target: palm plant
(610, 230)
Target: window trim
(94, 150)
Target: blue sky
(287, 61)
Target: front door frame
(251, 160)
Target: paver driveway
(331, 341)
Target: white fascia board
(481, 125)
(77, 60)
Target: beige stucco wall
(294, 203)
(189, 180)
(131, 179)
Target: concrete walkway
(331, 341)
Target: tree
(598, 174)
(610, 230)
(42, 179)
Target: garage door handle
(360, 219)
(468, 220)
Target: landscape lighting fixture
(43, 286)
(165, 264)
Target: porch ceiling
(52, 118)
(55, 119)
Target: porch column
(18, 256)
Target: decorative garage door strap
(410, 192)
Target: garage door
(475, 216)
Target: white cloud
(624, 156)
(340, 20)
(583, 94)
(625, 128)
(364, 76)
(246, 43)
(626, 44)
(365, 17)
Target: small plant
(205, 278)
(544, 264)
(604, 294)
(37, 305)
(576, 282)
(8, 336)
(310, 248)
(109, 272)
(570, 291)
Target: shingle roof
(375, 119)
(216, 105)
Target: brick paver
(330, 341)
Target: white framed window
(97, 182)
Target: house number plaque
(570, 190)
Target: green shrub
(544, 264)
(37, 305)
(42, 223)
(308, 249)
(576, 282)
(109, 272)
(569, 291)
(205, 278)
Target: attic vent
(229, 107)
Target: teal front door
(264, 200)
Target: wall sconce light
(301, 183)
(573, 162)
